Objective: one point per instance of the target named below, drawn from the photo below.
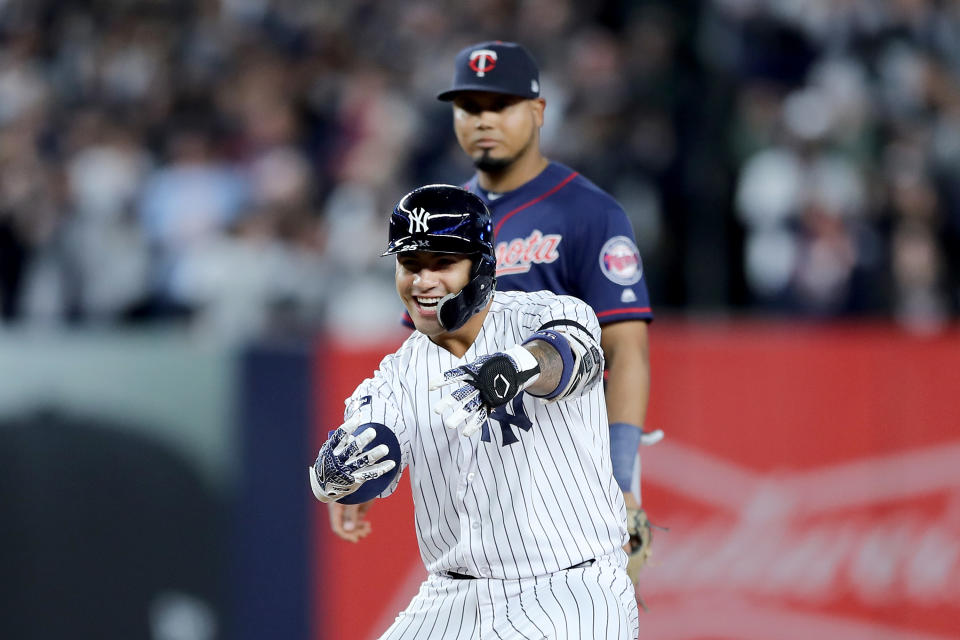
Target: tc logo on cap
(483, 60)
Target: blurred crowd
(230, 164)
(845, 137)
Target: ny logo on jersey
(419, 218)
(507, 420)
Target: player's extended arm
(553, 364)
(627, 350)
(626, 346)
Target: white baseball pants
(595, 602)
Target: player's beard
(499, 166)
(495, 166)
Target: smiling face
(424, 278)
(496, 130)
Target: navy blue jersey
(563, 233)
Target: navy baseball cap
(497, 67)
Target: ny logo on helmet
(483, 60)
(419, 218)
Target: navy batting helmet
(442, 218)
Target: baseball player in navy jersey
(556, 230)
(493, 408)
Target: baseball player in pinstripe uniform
(494, 408)
(556, 230)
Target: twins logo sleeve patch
(620, 261)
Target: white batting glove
(343, 466)
(487, 383)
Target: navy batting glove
(342, 466)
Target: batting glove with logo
(343, 466)
(483, 385)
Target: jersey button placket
(470, 516)
(467, 461)
(467, 457)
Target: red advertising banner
(811, 483)
(360, 587)
(809, 479)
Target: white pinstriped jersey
(532, 493)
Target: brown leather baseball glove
(639, 528)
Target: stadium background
(189, 287)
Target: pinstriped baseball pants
(595, 603)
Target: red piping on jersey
(549, 193)
(627, 310)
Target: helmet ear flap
(449, 311)
(454, 310)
